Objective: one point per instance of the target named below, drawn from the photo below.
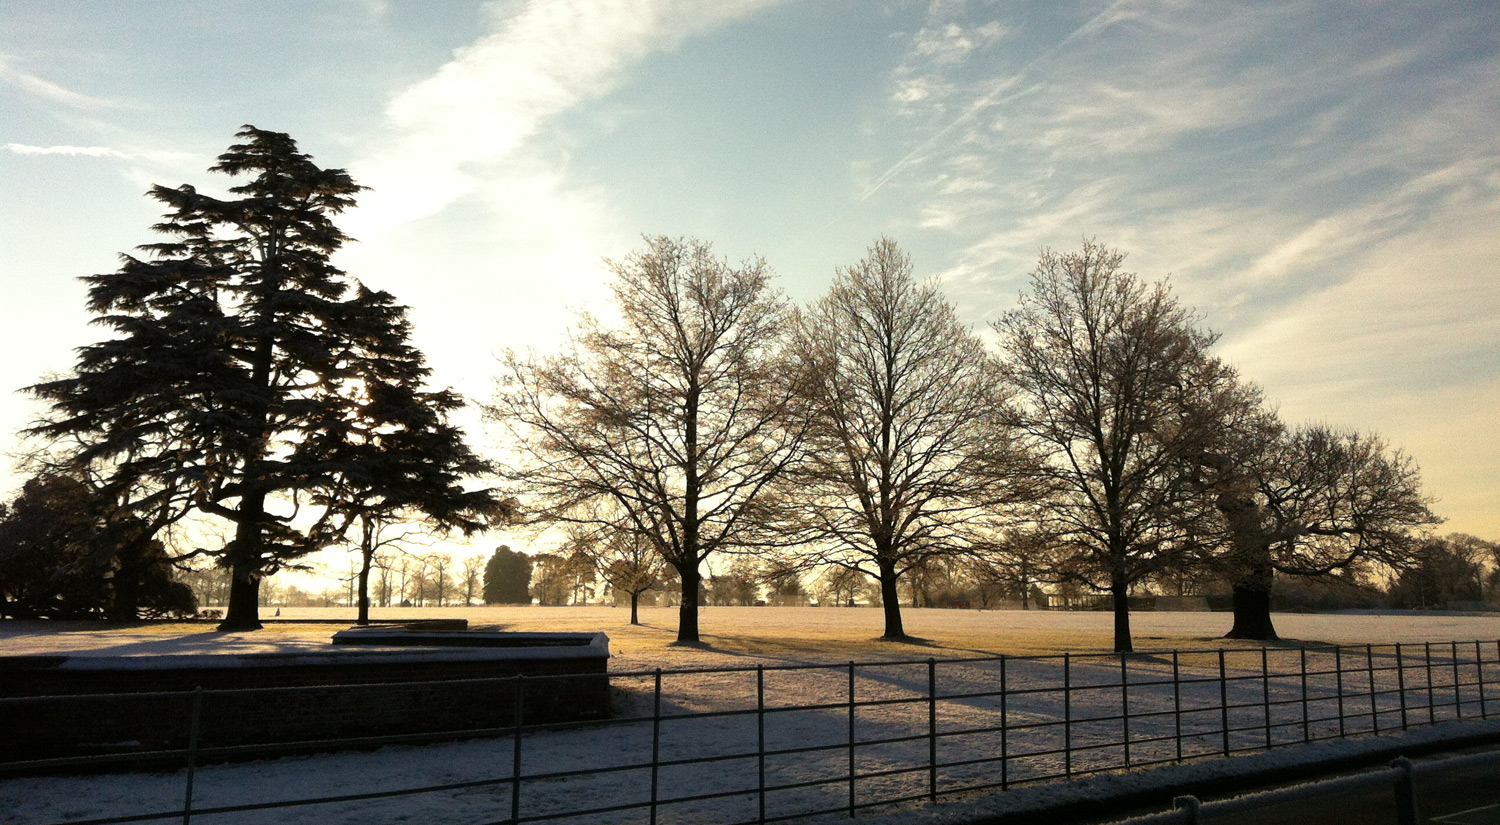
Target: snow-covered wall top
(545, 646)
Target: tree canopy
(66, 552)
(1103, 364)
(507, 577)
(909, 450)
(246, 372)
(672, 421)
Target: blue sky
(1321, 180)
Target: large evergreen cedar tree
(909, 453)
(251, 380)
(1104, 367)
(673, 419)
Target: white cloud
(1320, 181)
(538, 60)
(48, 90)
(1419, 309)
(464, 175)
(951, 43)
(76, 151)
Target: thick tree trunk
(1252, 615)
(890, 603)
(1252, 595)
(243, 611)
(1120, 590)
(245, 551)
(687, 612)
(1250, 568)
(125, 604)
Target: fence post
(931, 729)
(1458, 691)
(1374, 704)
(655, 744)
(1125, 706)
(1067, 714)
(851, 740)
(1401, 684)
(1427, 663)
(515, 765)
(1004, 724)
(1484, 710)
(1224, 700)
(1406, 793)
(1265, 692)
(195, 724)
(760, 738)
(1338, 682)
(1302, 660)
(1189, 806)
(1177, 702)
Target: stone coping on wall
(543, 646)
(418, 636)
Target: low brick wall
(88, 704)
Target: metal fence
(775, 743)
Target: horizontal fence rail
(777, 743)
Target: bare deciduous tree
(1444, 570)
(1307, 502)
(560, 577)
(1099, 359)
(839, 586)
(1012, 564)
(473, 580)
(626, 561)
(439, 576)
(673, 418)
(908, 446)
(782, 579)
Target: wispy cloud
(76, 151)
(537, 61)
(1320, 178)
(47, 90)
(944, 44)
(142, 167)
(1148, 116)
(465, 161)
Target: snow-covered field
(745, 635)
(965, 715)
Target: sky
(1319, 179)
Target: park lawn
(743, 636)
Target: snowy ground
(746, 635)
(775, 637)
